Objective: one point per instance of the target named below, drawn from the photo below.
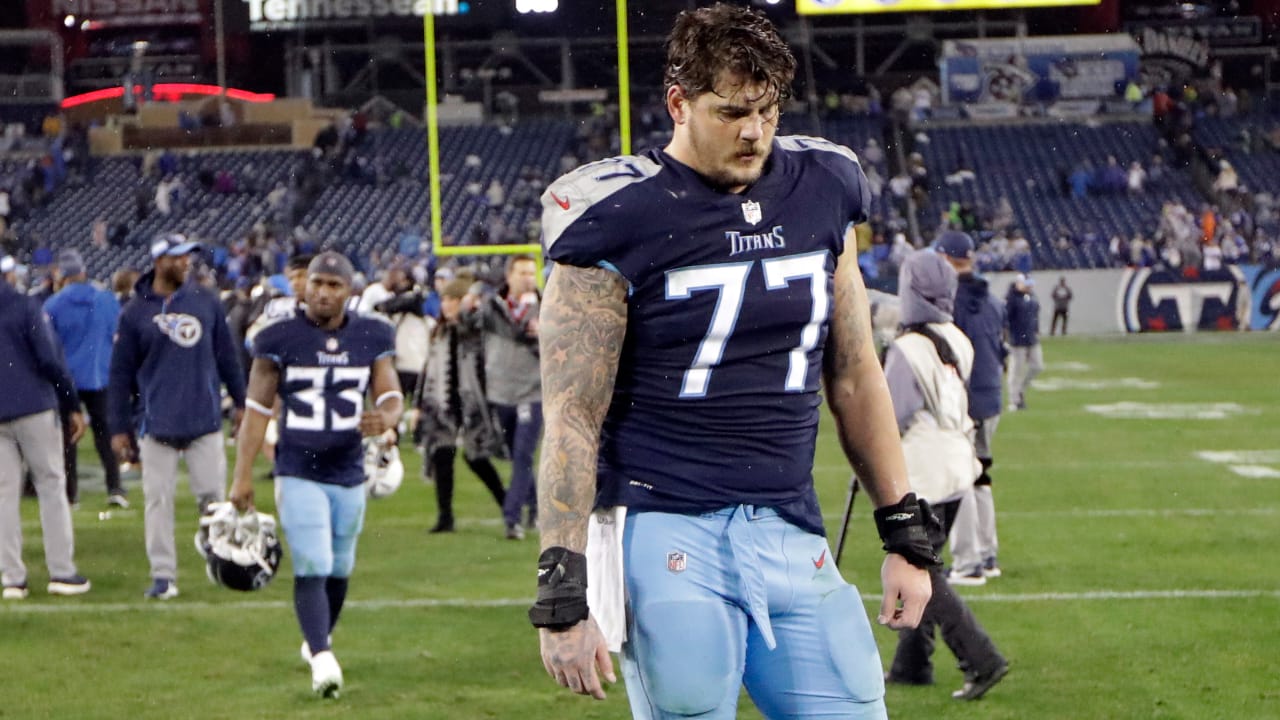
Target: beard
(730, 172)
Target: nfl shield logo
(751, 211)
(676, 562)
(331, 344)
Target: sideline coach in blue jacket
(173, 350)
(36, 386)
(84, 318)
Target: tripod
(848, 512)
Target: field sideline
(1139, 577)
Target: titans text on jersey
(324, 376)
(716, 399)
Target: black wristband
(902, 528)
(562, 589)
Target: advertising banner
(1152, 300)
(843, 7)
(272, 15)
(94, 14)
(1264, 296)
(1040, 69)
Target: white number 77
(731, 282)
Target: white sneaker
(326, 675)
(305, 651)
(15, 592)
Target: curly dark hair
(710, 40)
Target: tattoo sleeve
(583, 323)
(857, 393)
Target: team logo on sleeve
(751, 211)
(184, 330)
(676, 562)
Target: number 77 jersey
(716, 399)
(324, 377)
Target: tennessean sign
(287, 14)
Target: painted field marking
(1170, 411)
(1067, 366)
(1065, 383)
(1252, 464)
(25, 607)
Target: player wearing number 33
(322, 362)
(700, 296)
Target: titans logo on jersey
(716, 398)
(324, 377)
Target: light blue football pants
(741, 596)
(321, 524)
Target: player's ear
(677, 104)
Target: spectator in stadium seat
(1026, 360)
(38, 387)
(452, 404)
(173, 350)
(980, 316)
(1137, 178)
(84, 319)
(927, 368)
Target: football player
(700, 294)
(322, 362)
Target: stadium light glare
(525, 7)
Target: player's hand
(122, 447)
(577, 657)
(907, 590)
(242, 493)
(237, 416)
(373, 423)
(75, 423)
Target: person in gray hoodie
(927, 368)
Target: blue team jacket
(171, 354)
(35, 375)
(84, 319)
(980, 316)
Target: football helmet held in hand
(383, 470)
(241, 551)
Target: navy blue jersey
(716, 399)
(324, 376)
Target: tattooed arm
(583, 323)
(868, 429)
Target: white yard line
(71, 607)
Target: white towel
(606, 592)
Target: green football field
(1139, 514)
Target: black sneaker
(978, 685)
(73, 585)
(891, 679)
(443, 525)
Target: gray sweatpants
(1025, 363)
(38, 439)
(973, 536)
(207, 467)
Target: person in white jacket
(927, 367)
